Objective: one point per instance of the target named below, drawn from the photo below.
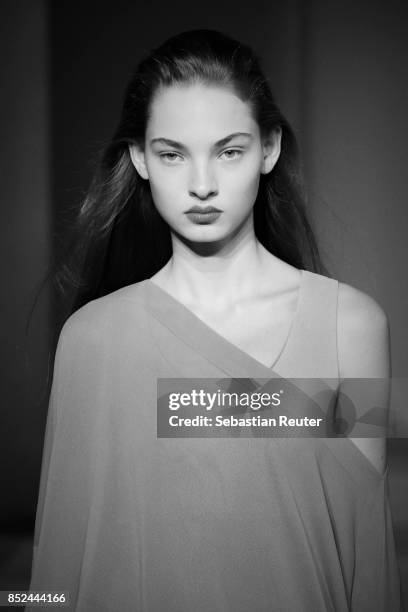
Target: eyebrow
(219, 143)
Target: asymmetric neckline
(239, 521)
(195, 324)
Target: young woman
(197, 261)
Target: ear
(138, 160)
(271, 150)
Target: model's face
(203, 149)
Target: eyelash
(165, 156)
(239, 151)
(171, 156)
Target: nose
(202, 184)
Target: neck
(218, 274)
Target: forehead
(188, 111)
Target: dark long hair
(120, 238)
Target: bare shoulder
(363, 335)
(358, 308)
(363, 352)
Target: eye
(231, 154)
(170, 157)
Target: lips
(204, 218)
(203, 209)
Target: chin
(201, 233)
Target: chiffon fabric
(132, 522)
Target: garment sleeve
(70, 454)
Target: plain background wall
(338, 70)
(25, 250)
(354, 121)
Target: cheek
(165, 189)
(243, 186)
(162, 199)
